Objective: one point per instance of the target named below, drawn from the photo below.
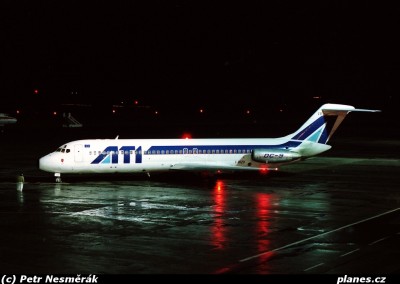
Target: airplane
(213, 155)
(6, 119)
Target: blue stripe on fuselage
(112, 151)
(284, 146)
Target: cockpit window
(63, 149)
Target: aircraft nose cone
(45, 163)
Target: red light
(156, 112)
(201, 110)
(36, 91)
(113, 111)
(247, 111)
(263, 205)
(218, 229)
(136, 102)
(219, 185)
(17, 111)
(263, 170)
(54, 113)
(187, 135)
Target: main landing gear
(58, 177)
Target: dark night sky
(165, 52)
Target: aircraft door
(78, 153)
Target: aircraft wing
(212, 167)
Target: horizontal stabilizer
(366, 110)
(344, 108)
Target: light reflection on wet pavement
(186, 224)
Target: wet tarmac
(335, 213)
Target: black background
(265, 56)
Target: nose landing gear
(58, 177)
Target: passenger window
(68, 150)
(62, 150)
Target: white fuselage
(149, 155)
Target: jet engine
(272, 156)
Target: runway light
(36, 91)
(201, 110)
(248, 111)
(156, 112)
(54, 113)
(136, 102)
(18, 112)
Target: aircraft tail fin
(320, 127)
